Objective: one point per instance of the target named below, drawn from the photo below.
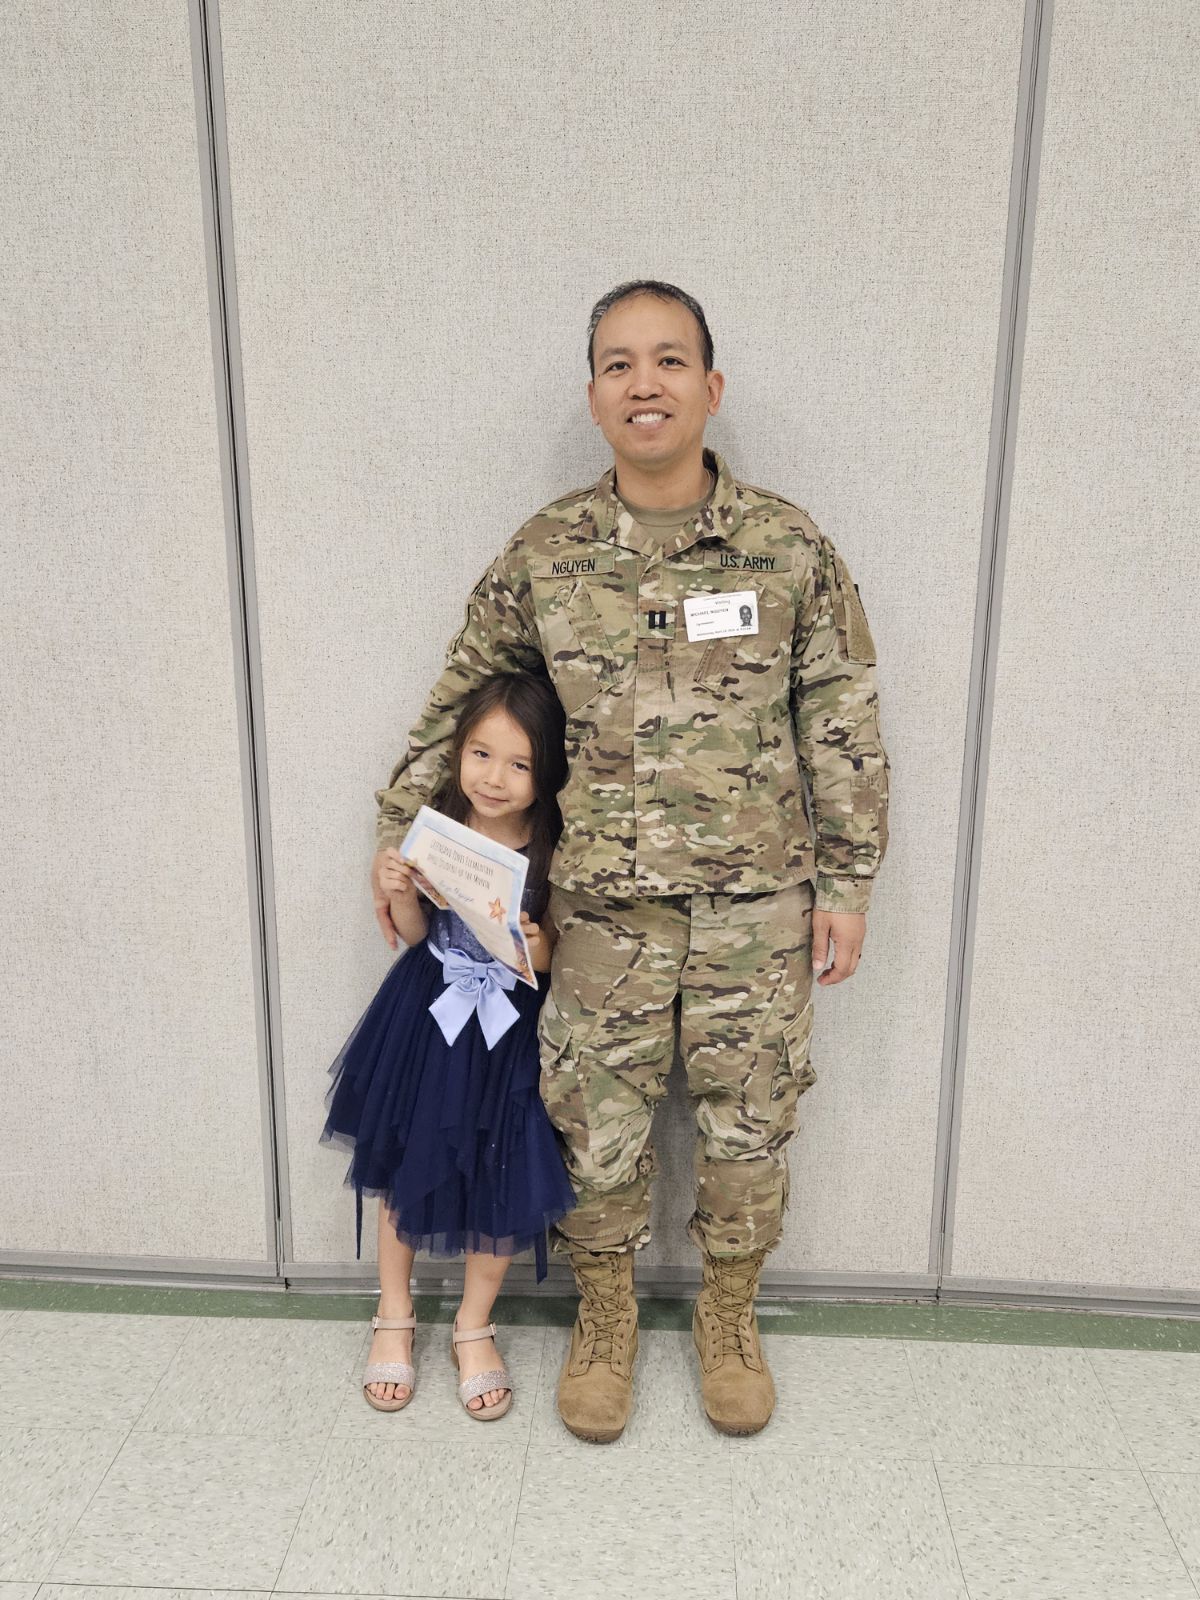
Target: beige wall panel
(1078, 1156)
(427, 199)
(131, 1121)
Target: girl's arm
(404, 907)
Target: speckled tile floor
(156, 1450)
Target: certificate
(479, 880)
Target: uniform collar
(718, 519)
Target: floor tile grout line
(962, 1571)
(112, 1463)
(1133, 1464)
(58, 1554)
(733, 1522)
(537, 1389)
(916, 1391)
(192, 1432)
(1192, 1577)
(162, 1377)
(325, 1445)
(1131, 1471)
(351, 1366)
(317, 1465)
(1099, 1376)
(937, 1477)
(165, 1588)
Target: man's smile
(648, 419)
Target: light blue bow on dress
(477, 986)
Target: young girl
(450, 1133)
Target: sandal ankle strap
(388, 1323)
(466, 1334)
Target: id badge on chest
(721, 616)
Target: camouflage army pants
(730, 976)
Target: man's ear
(716, 388)
(592, 400)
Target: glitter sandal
(389, 1371)
(495, 1378)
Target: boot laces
(601, 1290)
(733, 1302)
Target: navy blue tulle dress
(452, 1137)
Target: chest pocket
(576, 646)
(748, 673)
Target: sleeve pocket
(854, 632)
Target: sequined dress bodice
(447, 930)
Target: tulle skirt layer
(454, 1139)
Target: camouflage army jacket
(688, 759)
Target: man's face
(651, 396)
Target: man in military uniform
(713, 658)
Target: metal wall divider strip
(235, 478)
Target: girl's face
(496, 769)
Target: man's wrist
(390, 835)
(851, 895)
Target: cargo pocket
(797, 1039)
(772, 1098)
(561, 1090)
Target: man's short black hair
(663, 291)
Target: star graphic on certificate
(496, 910)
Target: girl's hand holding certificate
(539, 947)
(399, 879)
(400, 882)
(396, 876)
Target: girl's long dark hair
(533, 705)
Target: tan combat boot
(595, 1392)
(735, 1381)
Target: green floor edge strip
(950, 1323)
